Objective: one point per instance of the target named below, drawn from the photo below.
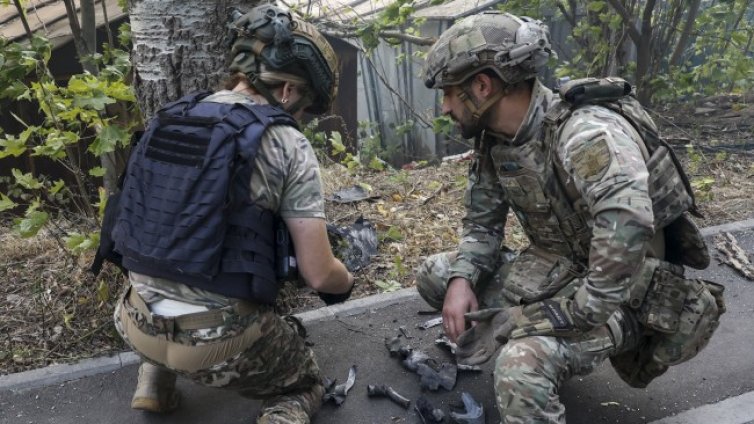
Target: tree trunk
(644, 54)
(178, 47)
(688, 27)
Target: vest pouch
(664, 302)
(684, 244)
(640, 283)
(698, 320)
(536, 274)
(666, 188)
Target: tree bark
(178, 47)
(644, 53)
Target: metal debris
(337, 393)
(445, 342)
(354, 245)
(353, 194)
(393, 345)
(382, 390)
(427, 412)
(433, 376)
(434, 322)
(414, 359)
(472, 412)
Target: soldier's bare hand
(459, 299)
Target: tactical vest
(557, 220)
(185, 209)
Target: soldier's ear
(483, 84)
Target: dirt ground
(52, 310)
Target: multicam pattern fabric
(602, 174)
(273, 363)
(617, 198)
(485, 198)
(486, 41)
(529, 370)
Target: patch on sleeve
(591, 160)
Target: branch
(387, 85)
(627, 20)
(570, 18)
(22, 16)
(413, 39)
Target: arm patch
(592, 159)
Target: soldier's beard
(470, 127)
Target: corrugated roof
(49, 18)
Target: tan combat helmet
(515, 48)
(268, 40)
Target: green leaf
(96, 101)
(596, 6)
(6, 203)
(108, 139)
(26, 180)
(31, 223)
(337, 144)
(79, 242)
(103, 292)
(393, 234)
(376, 164)
(55, 144)
(12, 146)
(388, 286)
(59, 184)
(97, 171)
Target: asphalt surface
(713, 387)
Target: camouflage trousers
(259, 355)
(528, 371)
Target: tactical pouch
(681, 316)
(698, 320)
(666, 189)
(663, 304)
(592, 90)
(536, 275)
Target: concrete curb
(56, 374)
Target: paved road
(717, 386)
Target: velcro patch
(591, 160)
(555, 315)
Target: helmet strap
(263, 89)
(478, 111)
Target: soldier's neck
(507, 116)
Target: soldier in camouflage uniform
(603, 204)
(250, 349)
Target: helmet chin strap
(478, 111)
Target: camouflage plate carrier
(679, 315)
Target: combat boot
(155, 390)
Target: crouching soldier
(196, 225)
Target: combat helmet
(515, 48)
(269, 39)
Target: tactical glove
(331, 299)
(477, 344)
(550, 317)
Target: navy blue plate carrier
(185, 212)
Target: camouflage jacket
(600, 154)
